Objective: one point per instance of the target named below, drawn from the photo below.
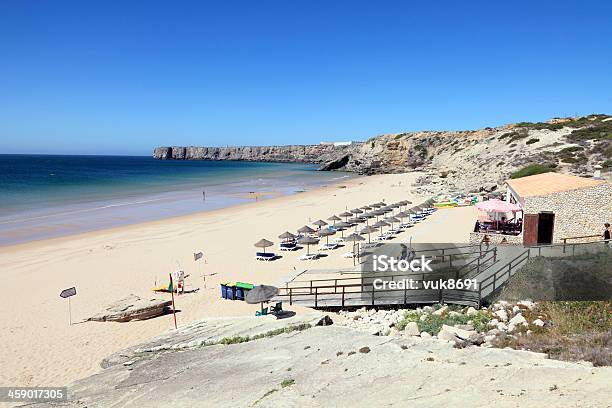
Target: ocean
(44, 196)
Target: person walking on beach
(203, 195)
(606, 234)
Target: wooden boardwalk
(490, 268)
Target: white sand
(40, 348)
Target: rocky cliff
(467, 161)
(296, 153)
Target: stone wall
(577, 212)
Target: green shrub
(601, 131)
(288, 382)
(532, 169)
(532, 141)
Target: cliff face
(296, 153)
(463, 161)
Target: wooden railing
(314, 289)
(508, 269)
(580, 237)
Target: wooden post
(173, 308)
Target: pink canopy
(497, 205)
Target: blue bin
(223, 291)
(231, 292)
(239, 293)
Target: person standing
(606, 234)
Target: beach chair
(329, 246)
(262, 312)
(308, 257)
(287, 246)
(278, 308)
(339, 240)
(265, 256)
(349, 255)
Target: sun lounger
(327, 247)
(265, 256)
(348, 255)
(308, 257)
(339, 240)
(287, 246)
(384, 237)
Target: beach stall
(549, 208)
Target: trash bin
(231, 290)
(223, 291)
(242, 289)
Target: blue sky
(111, 77)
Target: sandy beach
(39, 346)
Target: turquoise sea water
(44, 196)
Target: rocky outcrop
(132, 308)
(294, 154)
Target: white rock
(393, 332)
(425, 335)
(518, 319)
(501, 315)
(493, 323)
(428, 309)
(448, 336)
(454, 314)
(489, 337)
(376, 329)
(471, 311)
(527, 303)
(423, 317)
(516, 310)
(502, 326)
(412, 329)
(441, 310)
(538, 322)
(462, 334)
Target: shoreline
(182, 217)
(110, 264)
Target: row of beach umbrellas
(351, 218)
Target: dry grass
(581, 331)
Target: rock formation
(466, 161)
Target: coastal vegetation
(574, 296)
(532, 169)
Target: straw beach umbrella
(342, 226)
(305, 230)
(287, 236)
(368, 229)
(308, 241)
(263, 243)
(319, 223)
(355, 238)
(346, 214)
(326, 233)
(334, 218)
(261, 294)
(380, 224)
(392, 220)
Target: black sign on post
(68, 293)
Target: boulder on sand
(132, 308)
